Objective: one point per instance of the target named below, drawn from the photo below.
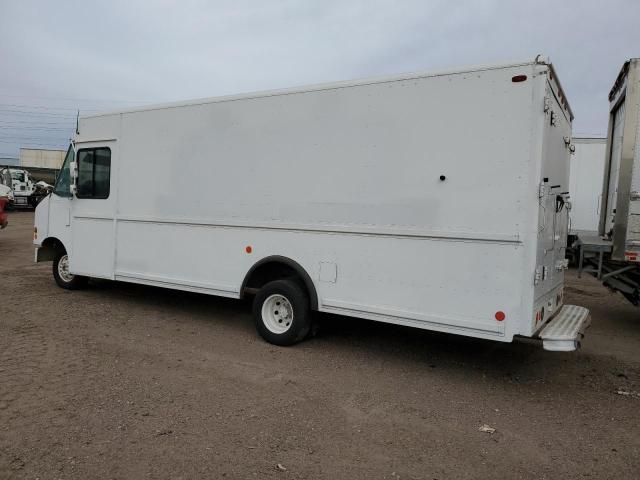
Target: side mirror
(73, 174)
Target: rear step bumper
(565, 331)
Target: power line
(30, 134)
(49, 107)
(49, 129)
(33, 135)
(10, 129)
(99, 100)
(48, 114)
(35, 122)
(51, 144)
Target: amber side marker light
(518, 78)
(35, 233)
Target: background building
(41, 158)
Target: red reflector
(518, 78)
(500, 316)
(248, 249)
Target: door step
(565, 331)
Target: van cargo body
(620, 217)
(434, 201)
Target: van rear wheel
(281, 312)
(63, 277)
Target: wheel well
(277, 268)
(49, 248)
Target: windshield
(62, 188)
(17, 175)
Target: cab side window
(94, 173)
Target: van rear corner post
(381, 233)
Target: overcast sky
(57, 56)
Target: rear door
(553, 197)
(614, 172)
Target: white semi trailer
(435, 201)
(617, 247)
(620, 218)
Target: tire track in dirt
(45, 373)
(22, 350)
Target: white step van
(432, 200)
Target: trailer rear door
(622, 220)
(632, 247)
(616, 153)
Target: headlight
(10, 196)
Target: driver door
(93, 210)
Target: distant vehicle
(26, 191)
(435, 201)
(6, 195)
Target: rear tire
(62, 276)
(282, 313)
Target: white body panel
(345, 180)
(585, 185)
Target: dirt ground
(121, 381)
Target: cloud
(58, 56)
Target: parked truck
(615, 251)
(6, 195)
(430, 200)
(27, 192)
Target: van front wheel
(281, 311)
(63, 277)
